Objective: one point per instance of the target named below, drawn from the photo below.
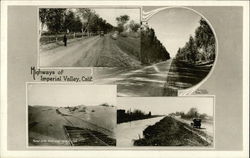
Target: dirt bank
(170, 132)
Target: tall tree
(69, 19)
(152, 50)
(92, 21)
(55, 20)
(87, 15)
(43, 13)
(192, 49)
(204, 34)
(192, 113)
(134, 26)
(205, 40)
(121, 21)
(201, 47)
(77, 25)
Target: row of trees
(61, 20)
(152, 49)
(201, 47)
(122, 24)
(126, 116)
(192, 113)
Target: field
(47, 124)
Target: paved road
(161, 79)
(183, 76)
(146, 81)
(130, 131)
(90, 52)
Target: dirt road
(94, 51)
(46, 123)
(91, 121)
(146, 81)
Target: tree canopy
(201, 47)
(134, 26)
(121, 21)
(73, 20)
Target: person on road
(65, 40)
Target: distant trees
(201, 47)
(192, 113)
(179, 113)
(149, 114)
(152, 50)
(105, 104)
(126, 116)
(134, 26)
(127, 27)
(121, 21)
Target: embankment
(170, 132)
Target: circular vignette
(182, 92)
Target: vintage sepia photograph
(192, 46)
(176, 53)
(169, 121)
(134, 79)
(71, 115)
(89, 37)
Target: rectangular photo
(71, 115)
(89, 37)
(167, 122)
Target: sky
(167, 105)
(59, 95)
(110, 14)
(173, 27)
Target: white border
(110, 154)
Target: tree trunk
(56, 38)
